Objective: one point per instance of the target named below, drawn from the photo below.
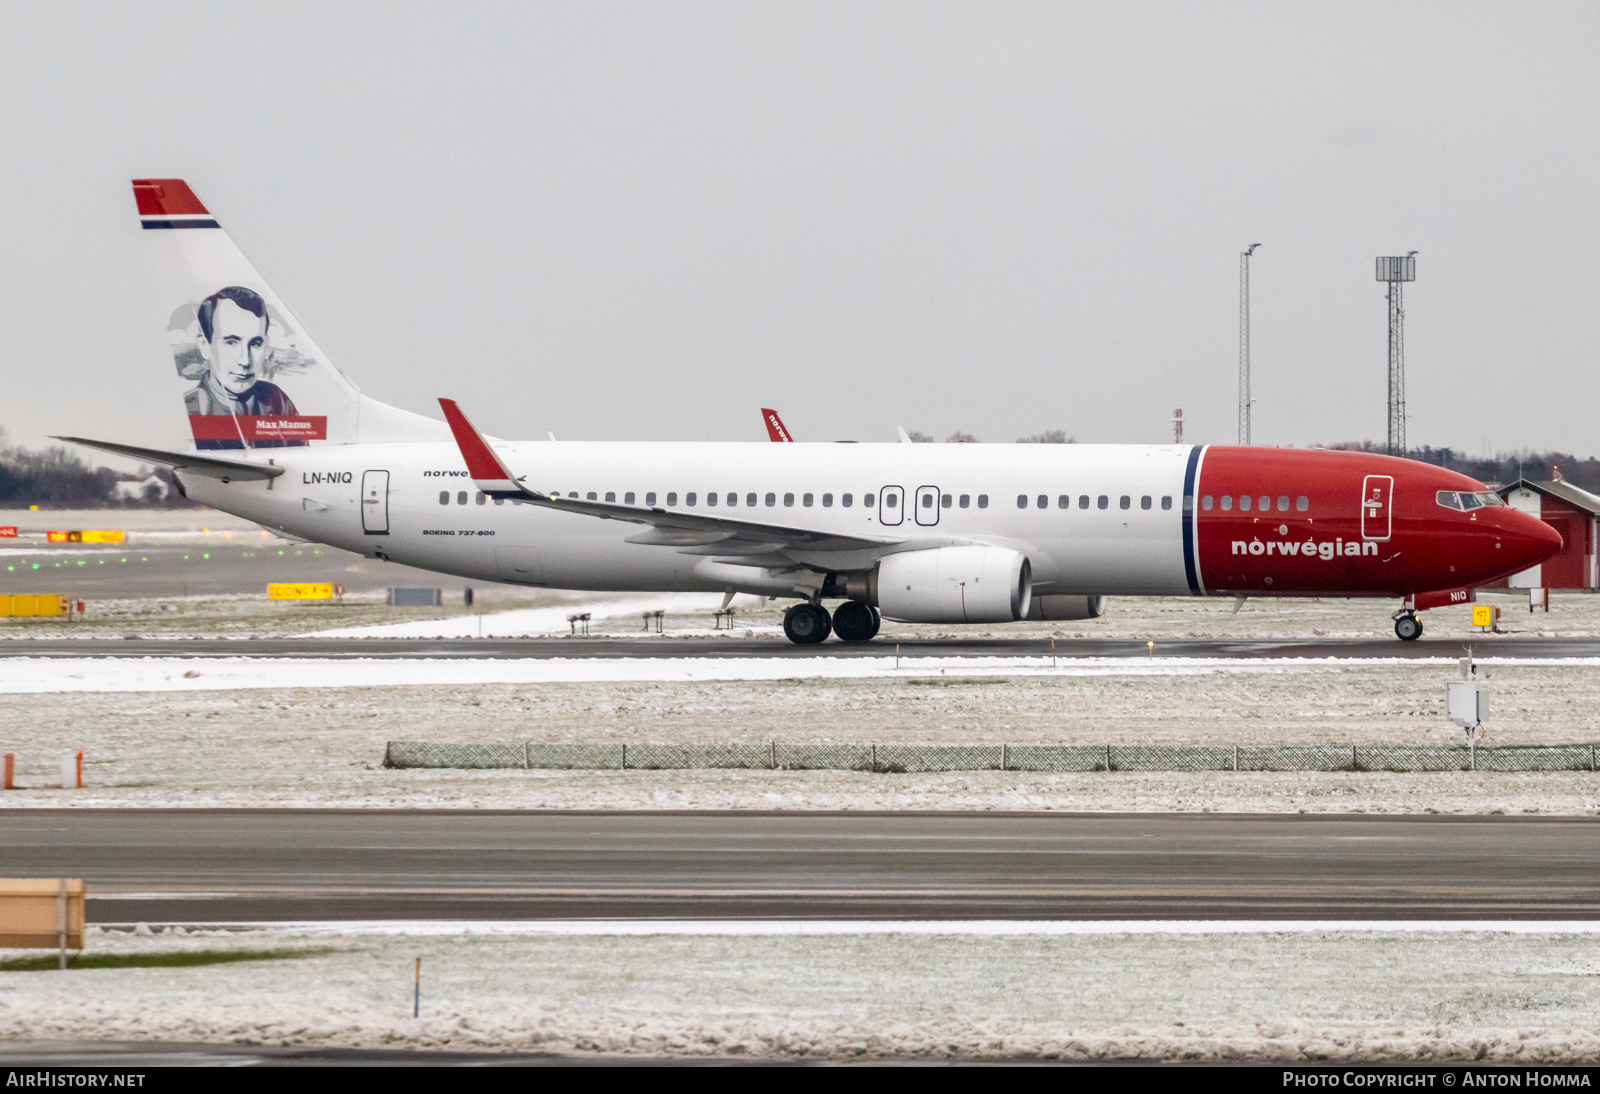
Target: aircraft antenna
(1396, 271)
(1244, 342)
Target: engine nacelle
(955, 585)
(1064, 608)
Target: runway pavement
(1536, 648)
(215, 866)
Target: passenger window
(1302, 503)
(846, 500)
(1123, 502)
(1022, 501)
(733, 499)
(1227, 502)
(1144, 502)
(444, 497)
(866, 500)
(1205, 503)
(611, 496)
(1244, 503)
(672, 497)
(573, 494)
(591, 496)
(827, 501)
(966, 500)
(772, 499)
(711, 499)
(983, 501)
(480, 497)
(1103, 502)
(461, 498)
(805, 499)
(750, 500)
(788, 499)
(1188, 503)
(1166, 502)
(944, 502)
(627, 499)
(1264, 503)
(499, 501)
(891, 500)
(927, 501)
(1083, 501)
(1064, 502)
(1283, 504)
(1044, 501)
(688, 499)
(650, 498)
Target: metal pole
(624, 757)
(1236, 758)
(416, 992)
(1244, 343)
(61, 906)
(1002, 755)
(1108, 759)
(525, 764)
(1397, 370)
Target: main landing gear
(807, 624)
(854, 621)
(1407, 627)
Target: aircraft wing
(209, 466)
(667, 528)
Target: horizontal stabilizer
(209, 466)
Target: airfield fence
(904, 758)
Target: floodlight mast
(1244, 342)
(1396, 271)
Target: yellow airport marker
(1151, 646)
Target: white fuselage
(426, 512)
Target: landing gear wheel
(806, 624)
(1408, 628)
(854, 621)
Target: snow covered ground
(190, 742)
(1263, 991)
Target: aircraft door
(891, 505)
(375, 503)
(927, 502)
(1377, 507)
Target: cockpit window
(1465, 501)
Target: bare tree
(1049, 436)
(959, 437)
(919, 437)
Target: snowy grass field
(256, 741)
(1249, 991)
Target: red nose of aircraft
(1524, 540)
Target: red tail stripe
(166, 197)
(482, 463)
(776, 430)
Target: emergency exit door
(1377, 507)
(375, 503)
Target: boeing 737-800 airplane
(920, 533)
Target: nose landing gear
(1407, 627)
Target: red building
(1575, 514)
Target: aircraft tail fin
(249, 373)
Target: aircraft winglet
(488, 472)
(776, 430)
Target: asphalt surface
(666, 646)
(219, 866)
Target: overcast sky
(618, 220)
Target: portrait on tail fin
(232, 347)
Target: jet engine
(1065, 608)
(955, 585)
